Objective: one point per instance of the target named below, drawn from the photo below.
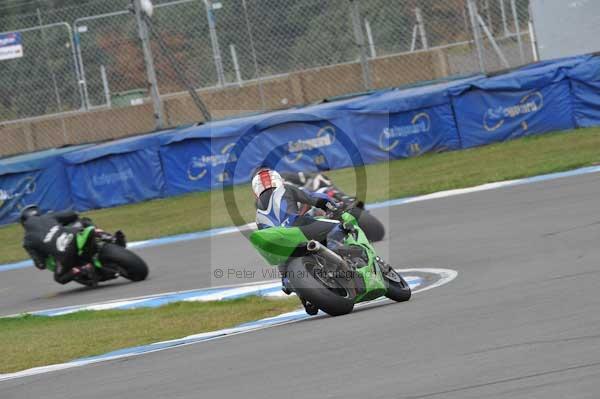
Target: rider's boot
(285, 286)
(120, 239)
(310, 308)
(385, 267)
(90, 274)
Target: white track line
(446, 276)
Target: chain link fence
(83, 78)
(44, 80)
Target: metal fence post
(236, 64)
(361, 43)
(370, 38)
(81, 69)
(54, 82)
(513, 6)
(476, 34)
(47, 60)
(214, 41)
(105, 86)
(149, 61)
(261, 89)
(80, 80)
(504, 22)
(490, 37)
(421, 27)
(534, 49)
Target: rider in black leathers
(53, 236)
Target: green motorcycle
(331, 280)
(108, 254)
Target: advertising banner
(46, 187)
(11, 46)
(585, 92)
(382, 137)
(116, 180)
(198, 164)
(485, 117)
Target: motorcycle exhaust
(336, 263)
(328, 254)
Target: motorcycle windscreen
(277, 244)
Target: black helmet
(28, 211)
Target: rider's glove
(332, 207)
(349, 229)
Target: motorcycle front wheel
(398, 289)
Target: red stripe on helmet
(265, 178)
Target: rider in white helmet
(284, 205)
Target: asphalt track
(520, 321)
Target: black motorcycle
(107, 253)
(319, 183)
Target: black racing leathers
(310, 181)
(49, 235)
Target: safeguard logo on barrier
(11, 46)
(198, 167)
(390, 137)
(495, 118)
(325, 138)
(25, 187)
(107, 179)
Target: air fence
(82, 76)
(371, 128)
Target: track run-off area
(520, 320)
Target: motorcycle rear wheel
(130, 266)
(331, 296)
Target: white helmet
(265, 179)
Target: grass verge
(422, 175)
(32, 341)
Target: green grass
(32, 341)
(429, 173)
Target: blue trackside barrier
(362, 130)
(585, 92)
(38, 178)
(525, 102)
(381, 126)
(194, 159)
(405, 123)
(115, 173)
